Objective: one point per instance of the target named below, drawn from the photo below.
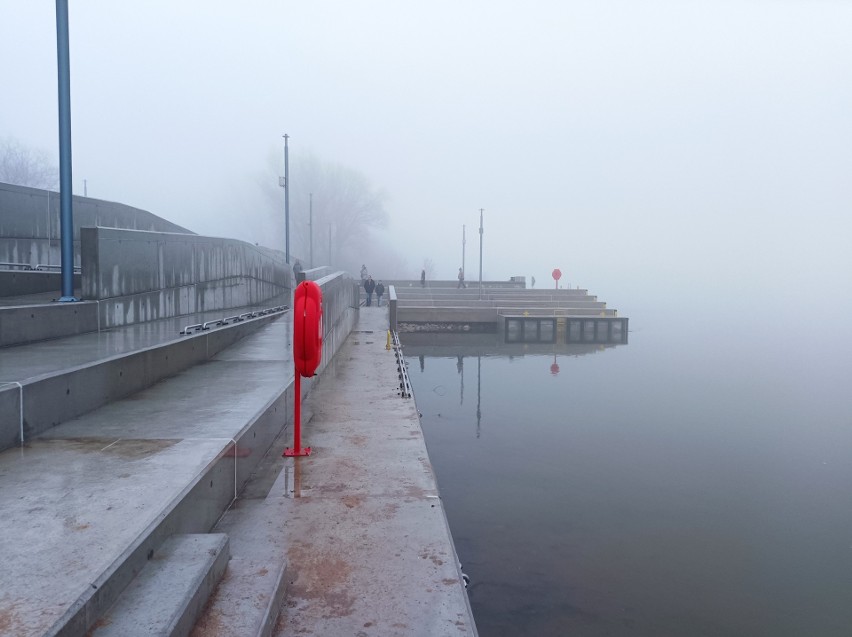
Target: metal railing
(404, 382)
(47, 266)
(226, 320)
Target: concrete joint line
(115, 442)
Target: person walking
(369, 286)
(297, 268)
(461, 279)
(380, 289)
(423, 278)
(363, 272)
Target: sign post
(557, 274)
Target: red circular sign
(557, 274)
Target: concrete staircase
(444, 304)
(125, 452)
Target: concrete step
(93, 370)
(114, 484)
(502, 303)
(248, 600)
(167, 596)
(101, 493)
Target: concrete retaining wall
(143, 276)
(339, 313)
(23, 282)
(30, 323)
(29, 223)
(52, 399)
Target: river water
(696, 481)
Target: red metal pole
(297, 450)
(297, 418)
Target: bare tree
(342, 197)
(24, 166)
(343, 202)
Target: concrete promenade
(369, 549)
(85, 502)
(353, 538)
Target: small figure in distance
(369, 286)
(363, 272)
(533, 281)
(380, 289)
(297, 267)
(461, 279)
(423, 278)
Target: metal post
(66, 220)
(481, 210)
(329, 244)
(286, 199)
(85, 188)
(478, 395)
(311, 228)
(464, 241)
(296, 450)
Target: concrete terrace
(107, 508)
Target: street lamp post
(464, 241)
(66, 217)
(481, 210)
(286, 199)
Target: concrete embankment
(369, 549)
(119, 503)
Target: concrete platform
(356, 532)
(23, 361)
(83, 505)
(368, 545)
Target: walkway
(369, 549)
(367, 546)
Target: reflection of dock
(518, 314)
(489, 344)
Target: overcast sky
(636, 145)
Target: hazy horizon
(690, 146)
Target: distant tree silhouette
(25, 166)
(345, 204)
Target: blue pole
(66, 223)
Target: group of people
(371, 286)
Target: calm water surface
(697, 481)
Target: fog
(649, 149)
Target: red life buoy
(307, 328)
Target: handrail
(25, 266)
(47, 266)
(235, 319)
(404, 382)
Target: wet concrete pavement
(367, 545)
(77, 498)
(21, 362)
(369, 549)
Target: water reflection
(673, 487)
(502, 549)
